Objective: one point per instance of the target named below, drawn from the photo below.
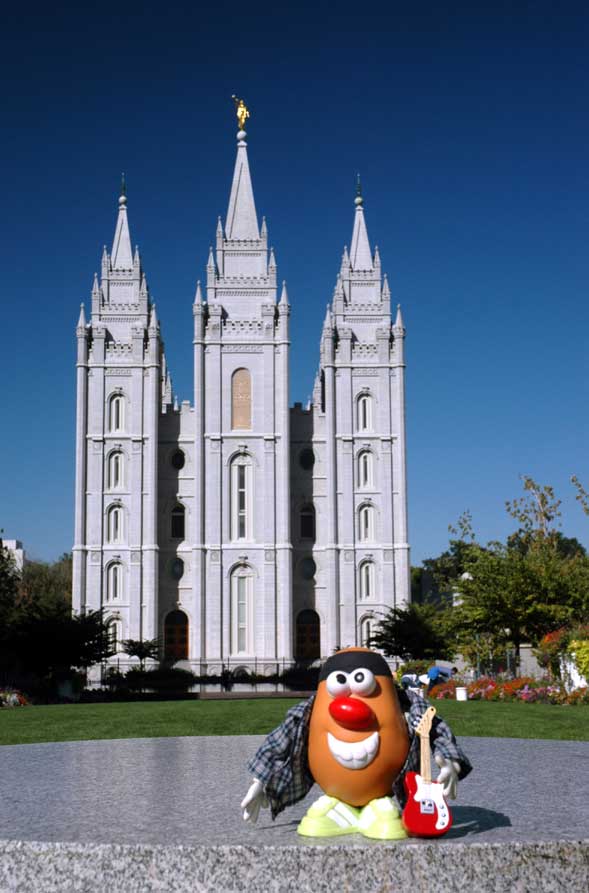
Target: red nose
(351, 712)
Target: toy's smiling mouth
(354, 754)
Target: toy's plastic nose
(351, 712)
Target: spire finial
(358, 200)
(123, 195)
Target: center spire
(242, 221)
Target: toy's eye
(362, 682)
(338, 683)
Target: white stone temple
(238, 530)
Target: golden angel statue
(241, 111)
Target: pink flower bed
(523, 689)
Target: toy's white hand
(253, 800)
(448, 776)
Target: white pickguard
(431, 792)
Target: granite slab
(163, 814)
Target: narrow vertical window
(241, 400)
(366, 523)
(178, 523)
(364, 412)
(307, 523)
(115, 524)
(114, 582)
(366, 580)
(241, 502)
(115, 471)
(366, 632)
(365, 469)
(241, 498)
(115, 631)
(241, 611)
(116, 413)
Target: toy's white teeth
(354, 754)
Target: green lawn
(149, 719)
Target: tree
(50, 646)
(451, 564)
(518, 592)
(416, 632)
(142, 649)
(47, 588)
(9, 583)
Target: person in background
(437, 676)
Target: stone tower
(120, 388)
(351, 556)
(242, 552)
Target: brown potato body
(357, 787)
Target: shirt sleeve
(281, 762)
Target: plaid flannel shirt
(281, 763)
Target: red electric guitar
(426, 813)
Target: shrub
(162, 679)
(579, 647)
(419, 667)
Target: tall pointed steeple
(242, 222)
(360, 254)
(121, 256)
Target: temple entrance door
(176, 636)
(308, 636)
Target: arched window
(114, 582)
(366, 523)
(241, 399)
(366, 631)
(115, 471)
(241, 498)
(114, 525)
(307, 523)
(366, 580)
(308, 636)
(365, 469)
(242, 611)
(364, 413)
(115, 634)
(176, 636)
(178, 522)
(116, 413)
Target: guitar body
(426, 813)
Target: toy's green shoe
(329, 817)
(380, 820)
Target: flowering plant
(523, 688)
(12, 698)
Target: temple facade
(240, 532)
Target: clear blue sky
(468, 123)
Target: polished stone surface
(187, 791)
(431, 868)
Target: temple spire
(121, 257)
(242, 222)
(360, 253)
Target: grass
(154, 719)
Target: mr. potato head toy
(356, 739)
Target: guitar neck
(425, 757)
